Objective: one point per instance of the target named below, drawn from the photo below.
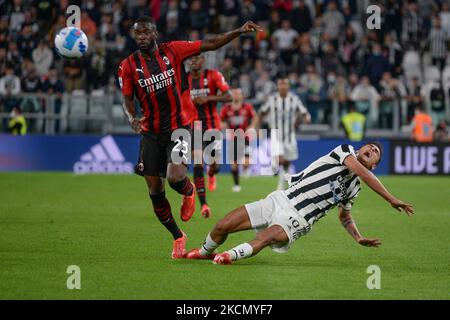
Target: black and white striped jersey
(282, 114)
(438, 43)
(325, 183)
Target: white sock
(208, 246)
(242, 251)
(281, 176)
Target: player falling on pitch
(239, 115)
(205, 86)
(285, 215)
(155, 75)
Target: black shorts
(158, 150)
(242, 153)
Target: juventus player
(285, 215)
(283, 111)
(205, 86)
(235, 116)
(155, 76)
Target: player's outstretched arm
(348, 223)
(220, 40)
(130, 111)
(372, 181)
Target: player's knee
(175, 177)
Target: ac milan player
(238, 115)
(205, 86)
(155, 75)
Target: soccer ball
(71, 43)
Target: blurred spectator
(229, 12)
(333, 21)
(442, 133)
(365, 96)
(394, 54)
(354, 124)
(330, 60)
(229, 72)
(247, 12)
(264, 87)
(73, 72)
(444, 16)
(42, 58)
(14, 57)
(304, 58)
(414, 98)
(437, 101)
(53, 86)
(412, 25)
(391, 92)
(16, 17)
(96, 68)
(315, 94)
(422, 126)
(26, 42)
(301, 16)
(438, 41)
(199, 19)
(377, 64)
(348, 49)
(88, 25)
(339, 92)
(284, 40)
(31, 84)
(9, 89)
(17, 124)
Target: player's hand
(400, 205)
(200, 100)
(369, 242)
(136, 124)
(250, 26)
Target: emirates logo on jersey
(199, 92)
(158, 81)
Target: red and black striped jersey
(209, 83)
(160, 84)
(237, 119)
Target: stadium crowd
(324, 46)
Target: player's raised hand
(369, 242)
(250, 26)
(400, 205)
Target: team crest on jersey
(166, 60)
(205, 82)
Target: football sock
(281, 177)
(242, 251)
(183, 187)
(235, 174)
(199, 180)
(213, 169)
(208, 246)
(164, 213)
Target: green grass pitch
(105, 225)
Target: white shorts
(276, 209)
(288, 151)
